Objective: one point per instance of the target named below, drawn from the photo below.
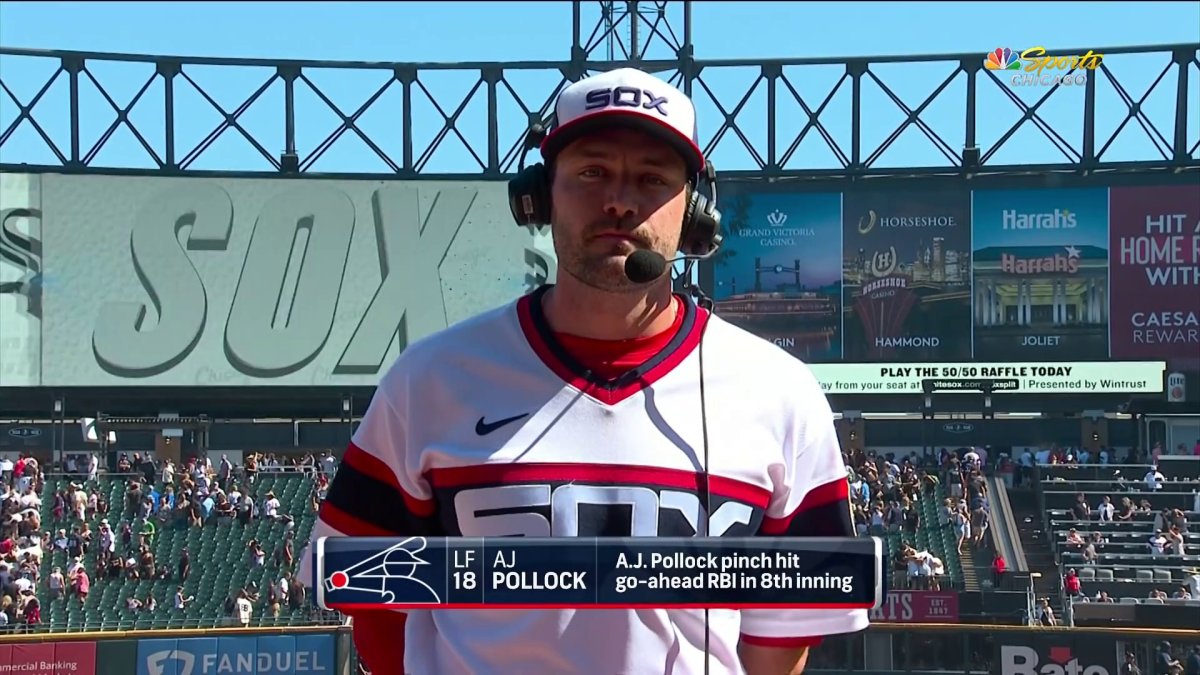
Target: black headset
(529, 200)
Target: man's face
(614, 192)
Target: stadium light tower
(631, 32)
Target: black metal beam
(655, 36)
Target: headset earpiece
(529, 190)
(702, 221)
(529, 196)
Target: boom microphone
(643, 265)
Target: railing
(848, 127)
(317, 619)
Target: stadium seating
(930, 536)
(1125, 567)
(220, 564)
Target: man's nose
(621, 201)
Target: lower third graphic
(389, 576)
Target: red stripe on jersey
(349, 525)
(376, 468)
(490, 474)
(829, 493)
(811, 641)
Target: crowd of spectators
(158, 494)
(22, 541)
(886, 496)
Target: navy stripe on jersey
(824, 512)
(366, 500)
(526, 499)
(543, 342)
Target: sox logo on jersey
(594, 510)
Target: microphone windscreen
(643, 266)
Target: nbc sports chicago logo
(1034, 67)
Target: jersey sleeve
(373, 493)
(811, 498)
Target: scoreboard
(600, 572)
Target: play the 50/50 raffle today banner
(165, 281)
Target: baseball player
(603, 404)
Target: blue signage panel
(264, 655)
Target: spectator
(1074, 541)
(244, 609)
(185, 564)
(999, 567)
(1155, 478)
(1164, 663)
(1125, 513)
(1044, 615)
(1072, 583)
(1193, 660)
(1080, 508)
(181, 602)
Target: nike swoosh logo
(484, 428)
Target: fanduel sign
(190, 281)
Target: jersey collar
(547, 347)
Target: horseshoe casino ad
(778, 273)
(906, 269)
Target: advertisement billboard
(1155, 268)
(264, 655)
(1026, 654)
(778, 273)
(906, 275)
(192, 282)
(156, 281)
(1040, 274)
(48, 658)
(1061, 377)
(917, 607)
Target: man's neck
(576, 309)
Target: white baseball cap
(626, 97)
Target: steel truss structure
(775, 127)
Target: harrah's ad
(1041, 274)
(1156, 274)
(906, 275)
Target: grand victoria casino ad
(779, 273)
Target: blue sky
(460, 32)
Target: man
(531, 420)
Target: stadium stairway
(1039, 555)
(969, 578)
